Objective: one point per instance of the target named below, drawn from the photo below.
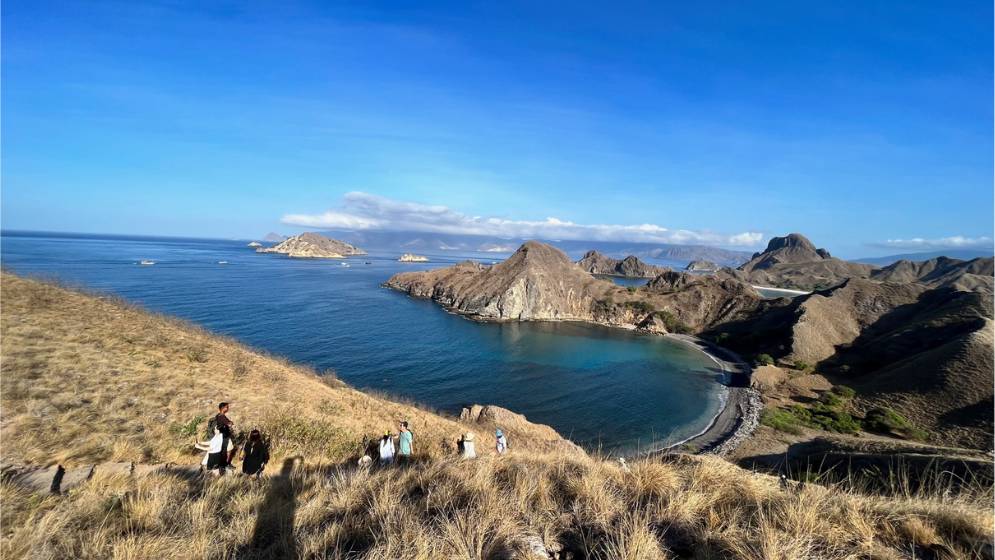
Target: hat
(468, 436)
(499, 433)
(386, 433)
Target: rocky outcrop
(538, 282)
(630, 267)
(702, 266)
(492, 417)
(313, 246)
(793, 262)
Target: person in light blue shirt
(405, 442)
(502, 443)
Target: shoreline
(735, 421)
(740, 413)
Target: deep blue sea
(601, 387)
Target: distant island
(255, 244)
(313, 246)
(629, 267)
(409, 257)
(702, 266)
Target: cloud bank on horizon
(951, 242)
(365, 211)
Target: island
(409, 257)
(629, 267)
(255, 244)
(702, 266)
(313, 246)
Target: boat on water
(345, 264)
(222, 262)
(145, 262)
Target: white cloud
(952, 242)
(363, 211)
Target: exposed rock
(631, 267)
(39, 480)
(74, 476)
(119, 469)
(313, 246)
(702, 266)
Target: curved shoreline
(739, 415)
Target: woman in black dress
(255, 454)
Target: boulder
(122, 469)
(73, 477)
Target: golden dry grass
(88, 378)
(71, 365)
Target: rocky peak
(793, 248)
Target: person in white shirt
(467, 450)
(502, 442)
(386, 449)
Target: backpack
(212, 425)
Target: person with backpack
(501, 442)
(255, 454)
(386, 449)
(221, 449)
(405, 443)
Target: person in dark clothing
(255, 454)
(227, 430)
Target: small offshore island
(313, 246)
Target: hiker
(466, 446)
(221, 448)
(386, 449)
(405, 441)
(502, 443)
(255, 454)
(227, 429)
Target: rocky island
(702, 266)
(629, 267)
(254, 244)
(409, 257)
(313, 246)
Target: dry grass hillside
(91, 379)
(86, 379)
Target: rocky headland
(313, 246)
(793, 262)
(539, 282)
(629, 267)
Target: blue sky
(865, 125)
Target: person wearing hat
(502, 442)
(466, 446)
(386, 449)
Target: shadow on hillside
(273, 534)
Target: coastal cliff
(538, 282)
(313, 246)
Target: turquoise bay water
(601, 387)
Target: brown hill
(942, 271)
(313, 246)
(793, 262)
(630, 267)
(926, 352)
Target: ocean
(604, 388)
